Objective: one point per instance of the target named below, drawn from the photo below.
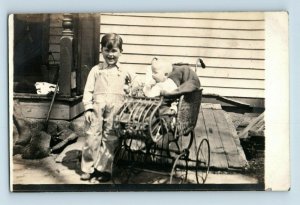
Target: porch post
(67, 74)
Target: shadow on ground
(72, 160)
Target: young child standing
(103, 96)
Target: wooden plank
(55, 31)
(193, 52)
(254, 102)
(234, 92)
(204, 23)
(211, 106)
(54, 48)
(54, 39)
(201, 133)
(185, 32)
(236, 83)
(217, 150)
(232, 73)
(227, 140)
(40, 109)
(169, 40)
(56, 20)
(239, 16)
(76, 110)
(211, 62)
(242, 156)
(244, 133)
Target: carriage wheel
(180, 169)
(158, 129)
(202, 161)
(180, 143)
(121, 166)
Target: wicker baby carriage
(153, 139)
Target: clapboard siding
(55, 34)
(194, 52)
(196, 41)
(225, 16)
(185, 32)
(231, 45)
(182, 23)
(230, 73)
(187, 52)
(234, 92)
(232, 83)
(209, 61)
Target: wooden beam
(67, 75)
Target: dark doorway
(31, 44)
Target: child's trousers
(101, 140)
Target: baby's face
(157, 74)
(111, 56)
(160, 70)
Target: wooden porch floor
(226, 151)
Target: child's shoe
(85, 176)
(105, 177)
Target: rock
(23, 127)
(18, 149)
(78, 125)
(39, 146)
(15, 134)
(65, 138)
(62, 124)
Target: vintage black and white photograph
(141, 101)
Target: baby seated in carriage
(170, 80)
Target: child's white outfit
(104, 94)
(155, 91)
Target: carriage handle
(199, 62)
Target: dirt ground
(65, 169)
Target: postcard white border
(277, 161)
(10, 6)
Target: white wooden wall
(231, 45)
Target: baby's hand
(164, 92)
(126, 89)
(89, 116)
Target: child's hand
(89, 116)
(164, 92)
(126, 89)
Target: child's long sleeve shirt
(104, 82)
